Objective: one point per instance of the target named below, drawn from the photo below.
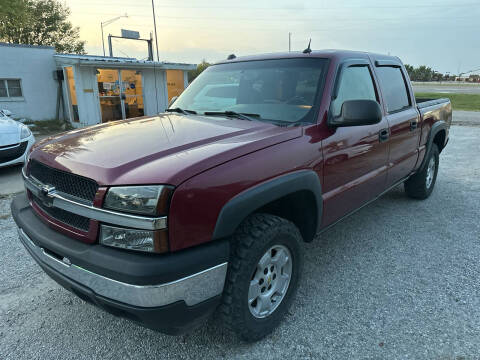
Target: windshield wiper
(181, 111)
(243, 116)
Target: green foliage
(468, 102)
(39, 22)
(425, 73)
(192, 74)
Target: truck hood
(164, 149)
(9, 131)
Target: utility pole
(289, 41)
(105, 23)
(155, 26)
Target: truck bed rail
(424, 102)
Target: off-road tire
(257, 234)
(416, 186)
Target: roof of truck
(327, 53)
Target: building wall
(154, 94)
(34, 66)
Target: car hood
(9, 131)
(163, 149)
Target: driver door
(355, 157)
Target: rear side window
(355, 84)
(393, 87)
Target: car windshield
(282, 90)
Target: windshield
(283, 90)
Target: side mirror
(6, 112)
(172, 101)
(358, 113)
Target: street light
(108, 22)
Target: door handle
(413, 125)
(383, 135)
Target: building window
(10, 88)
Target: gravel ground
(399, 279)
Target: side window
(10, 88)
(394, 88)
(355, 84)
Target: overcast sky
(443, 34)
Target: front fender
(245, 203)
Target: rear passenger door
(402, 117)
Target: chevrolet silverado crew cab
(165, 219)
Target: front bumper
(13, 156)
(171, 301)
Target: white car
(16, 139)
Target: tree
(39, 22)
(410, 70)
(422, 73)
(192, 74)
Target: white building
(27, 87)
(95, 89)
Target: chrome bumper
(192, 289)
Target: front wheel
(263, 275)
(420, 185)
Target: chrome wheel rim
(269, 281)
(430, 172)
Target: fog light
(133, 239)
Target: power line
(290, 8)
(290, 19)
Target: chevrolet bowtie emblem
(45, 196)
(47, 190)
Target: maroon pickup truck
(165, 219)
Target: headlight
(132, 239)
(146, 200)
(25, 132)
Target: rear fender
(435, 129)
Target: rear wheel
(263, 275)
(421, 184)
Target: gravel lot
(399, 279)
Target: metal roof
(107, 61)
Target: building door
(120, 94)
(72, 94)
(133, 93)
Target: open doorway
(72, 94)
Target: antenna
(308, 50)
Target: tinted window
(393, 88)
(355, 84)
(281, 90)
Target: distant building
(94, 89)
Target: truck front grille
(71, 184)
(8, 153)
(68, 218)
